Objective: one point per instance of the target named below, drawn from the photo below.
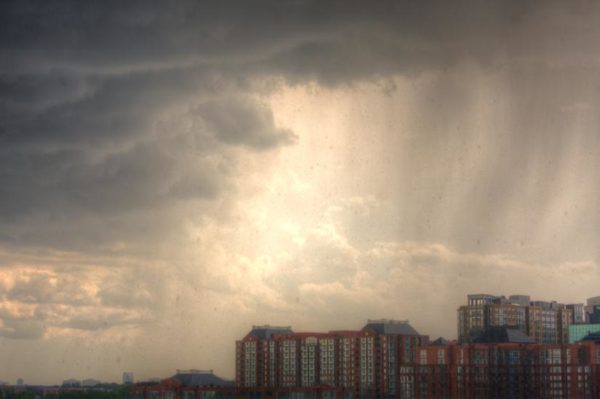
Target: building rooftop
(440, 341)
(503, 334)
(394, 327)
(594, 337)
(593, 301)
(200, 378)
(265, 332)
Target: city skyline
(269, 330)
(174, 172)
(389, 359)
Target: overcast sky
(172, 173)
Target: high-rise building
(257, 356)
(546, 322)
(579, 315)
(471, 318)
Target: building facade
(545, 322)
(376, 362)
(186, 384)
(579, 314)
(508, 370)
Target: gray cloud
(101, 321)
(137, 143)
(36, 289)
(22, 329)
(242, 122)
(332, 42)
(36, 302)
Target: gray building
(544, 321)
(579, 315)
(127, 378)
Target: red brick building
(508, 370)
(376, 361)
(389, 359)
(186, 384)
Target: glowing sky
(173, 173)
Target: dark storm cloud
(23, 93)
(89, 109)
(113, 115)
(305, 37)
(145, 175)
(243, 122)
(145, 192)
(131, 142)
(87, 87)
(115, 112)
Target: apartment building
(508, 370)
(376, 361)
(545, 322)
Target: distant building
(579, 314)
(521, 300)
(594, 314)
(593, 301)
(71, 383)
(90, 382)
(200, 378)
(186, 384)
(471, 318)
(152, 380)
(20, 382)
(127, 378)
(545, 322)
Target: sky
(174, 172)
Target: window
(441, 356)
(423, 356)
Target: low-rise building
(186, 384)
